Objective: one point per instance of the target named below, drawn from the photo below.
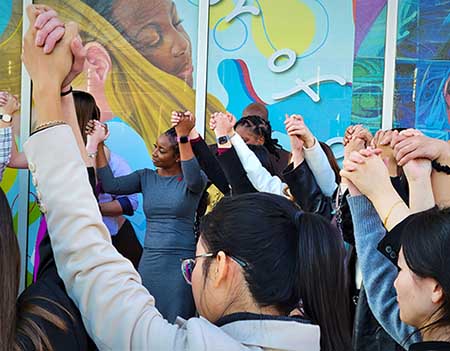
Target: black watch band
(183, 139)
(440, 168)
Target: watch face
(223, 140)
(184, 139)
(6, 118)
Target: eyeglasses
(188, 264)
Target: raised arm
(194, 177)
(313, 154)
(410, 146)
(104, 286)
(378, 273)
(260, 177)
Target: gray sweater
(378, 273)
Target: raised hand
(50, 30)
(47, 70)
(96, 132)
(9, 103)
(418, 146)
(367, 172)
(223, 123)
(295, 125)
(4, 97)
(185, 123)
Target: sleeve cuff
(196, 140)
(223, 150)
(127, 207)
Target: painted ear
(98, 60)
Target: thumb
(32, 13)
(71, 33)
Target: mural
(422, 92)
(292, 56)
(320, 58)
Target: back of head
(86, 109)
(256, 109)
(261, 128)
(9, 274)
(426, 246)
(294, 259)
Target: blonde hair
(137, 91)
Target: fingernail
(46, 49)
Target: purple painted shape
(367, 12)
(40, 235)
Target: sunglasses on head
(188, 264)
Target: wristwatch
(183, 139)
(6, 118)
(223, 140)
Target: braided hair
(261, 128)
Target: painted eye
(149, 36)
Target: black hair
(86, 109)
(261, 128)
(294, 259)
(171, 134)
(332, 161)
(426, 246)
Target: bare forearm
(390, 207)
(186, 152)
(111, 209)
(48, 103)
(420, 195)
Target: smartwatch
(223, 140)
(183, 139)
(6, 118)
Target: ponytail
(322, 282)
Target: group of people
(270, 267)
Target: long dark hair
(426, 246)
(15, 318)
(295, 260)
(261, 128)
(86, 109)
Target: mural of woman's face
(155, 30)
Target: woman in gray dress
(171, 194)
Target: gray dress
(170, 204)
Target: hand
(418, 170)
(223, 123)
(353, 144)
(359, 131)
(418, 146)
(4, 96)
(367, 172)
(348, 134)
(295, 125)
(11, 105)
(96, 132)
(49, 31)
(186, 122)
(47, 70)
